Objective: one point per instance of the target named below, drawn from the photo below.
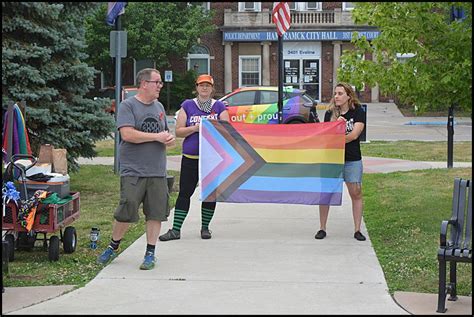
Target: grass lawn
(418, 150)
(403, 213)
(106, 148)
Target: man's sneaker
(359, 236)
(205, 233)
(107, 255)
(148, 262)
(171, 235)
(321, 234)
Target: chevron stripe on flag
(270, 163)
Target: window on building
(292, 6)
(249, 6)
(198, 59)
(348, 6)
(313, 5)
(249, 67)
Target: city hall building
(243, 50)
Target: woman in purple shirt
(187, 127)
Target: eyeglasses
(158, 82)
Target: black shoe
(359, 236)
(205, 233)
(320, 235)
(171, 235)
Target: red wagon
(49, 219)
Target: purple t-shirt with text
(194, 115)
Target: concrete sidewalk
(371, 164)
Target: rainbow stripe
(297, 164)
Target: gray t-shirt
(142, 159)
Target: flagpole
(280, 78)
(282, 18)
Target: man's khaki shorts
(151, 191)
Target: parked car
(109, 92)
(259, 104)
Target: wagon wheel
(53, 252)
(69, 240)
(11, 246)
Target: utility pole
(456, 13)
(118, 90)
(450, 135)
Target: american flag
(281, 17)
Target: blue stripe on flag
(294, 184)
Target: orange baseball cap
(205, 79)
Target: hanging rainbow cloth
(271, 163)
(20, 140)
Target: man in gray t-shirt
(142, 159)
(141, 120)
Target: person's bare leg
(323, 216)
(153, 228)
(355, 191)
(119, 229)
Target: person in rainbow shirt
(187, 127)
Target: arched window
(198, 59)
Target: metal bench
(458, 248)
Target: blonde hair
(353, 101)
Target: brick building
(243, 50)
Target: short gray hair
(145, 74)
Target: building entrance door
(310, 75)
(291, 73)
(303, 74)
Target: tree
(159, 31)
(440, 72)
(42, 63)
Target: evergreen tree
(43, 45)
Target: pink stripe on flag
(227, 159)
